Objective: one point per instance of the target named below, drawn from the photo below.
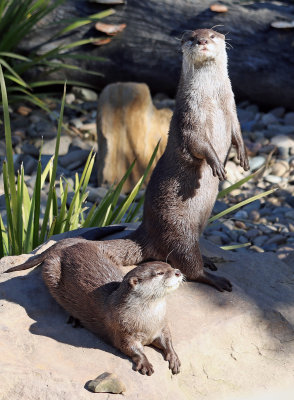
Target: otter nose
(178, 272)
(202, 41)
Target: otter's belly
(179, 214)
(220, 137)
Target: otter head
(153, 280)
(202, 46)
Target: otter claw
(145, 368)
(173, 363)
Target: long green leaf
(52, 182)
(241, 204)
(9, 151)
(14, 55)
(235, 246)
(3, 239)
(236, 185)
(10, 222)
(84, 21)
(19, 235)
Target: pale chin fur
(173, 283)
(153, 289)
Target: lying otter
(128, 312)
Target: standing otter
(128, 312)
(184, 184)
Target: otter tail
(32, 262)
(93, 234)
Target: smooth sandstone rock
(237, 345)
(107, 383)
(129, 127)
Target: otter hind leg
(75, 322)
(191, 264)
(209, 264)
(220, 283)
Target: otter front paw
(144, 367)
(243, 158)
(173, 362)
(218, 170)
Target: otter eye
(212, 36)
(160, 273)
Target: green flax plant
(24, 229)
(17, 20)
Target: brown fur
(184, 184)
(128, 312)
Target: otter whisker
(168, 255)
(216, 26)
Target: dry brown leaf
(283, 24)
(24, 111)
(110, 29)
(219, 8)
(101, 42)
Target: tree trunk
(261, 62)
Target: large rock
(129, 127)
(237, 345)
(261, 61)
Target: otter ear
(133, 281)
(185, 36)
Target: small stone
(243, 239)
(252, 233)
(225, 238)
(30, 149)
(78, 157)
(278, 112)
(30, 164)
(282, 141)
(255, 205)
(290, 214)
(267, 229)
(281, 210)
(267, 148)
(215, 239)
(241, 214)
(270, 247)
(277, 239)
(96, 194)
(219, 207)
(257, 249)
(260, 240)
(240, 225)
(85, 94)
(291, 227)
(268, 119)
(254, 215)
(245, 115)
(289, 118)
(256, 162)
(280, 168)
(49, 146)
(76, 122)
(279, 130)
(24, 111)
(70, 98)
(273, 178)
(107, 383)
